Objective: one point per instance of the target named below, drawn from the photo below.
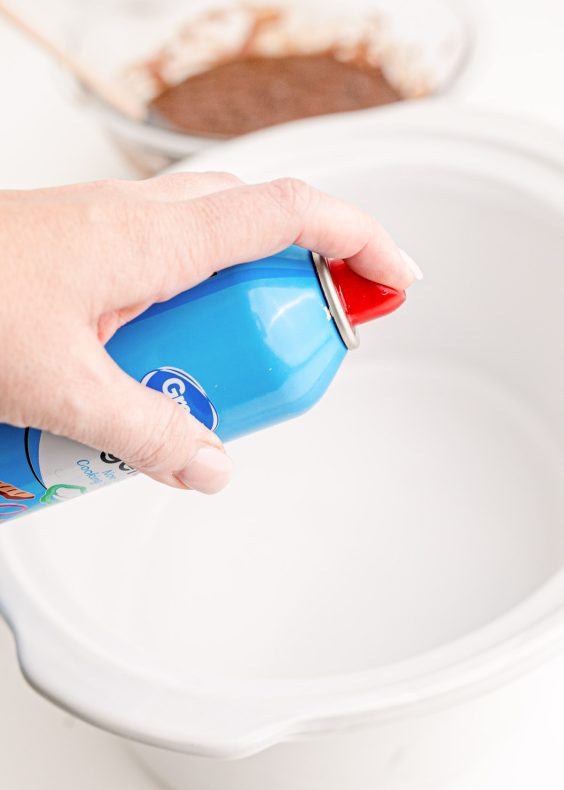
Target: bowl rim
(229, 719)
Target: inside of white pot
(419, 501)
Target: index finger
(249, 222)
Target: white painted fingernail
(209, 470)
(411, 265)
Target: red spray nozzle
(362, 299)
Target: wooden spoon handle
(115, 98)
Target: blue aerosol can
(253, 345)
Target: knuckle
(222, 177)
(104, 216)
(177, 186)
(158, 451)
(171, 183)
(95, 215)
(111, 206)
(292, 195)
(104, 185)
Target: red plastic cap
(362, 299)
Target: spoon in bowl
(107, 93)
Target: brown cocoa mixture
(250, 93)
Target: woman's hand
(77, 262)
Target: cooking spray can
(253, 345)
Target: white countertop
(47, 139)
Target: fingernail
(411, 265)
(208, 471)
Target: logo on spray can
(184, 390)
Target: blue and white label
(184, 390)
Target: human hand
(80, 261)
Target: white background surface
(46, 139)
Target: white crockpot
(365, 605)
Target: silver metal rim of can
(347, 331)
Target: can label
(65, 469)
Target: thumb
(150, 432)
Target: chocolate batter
(250, 93)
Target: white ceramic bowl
(429, 38)
(379, 564)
